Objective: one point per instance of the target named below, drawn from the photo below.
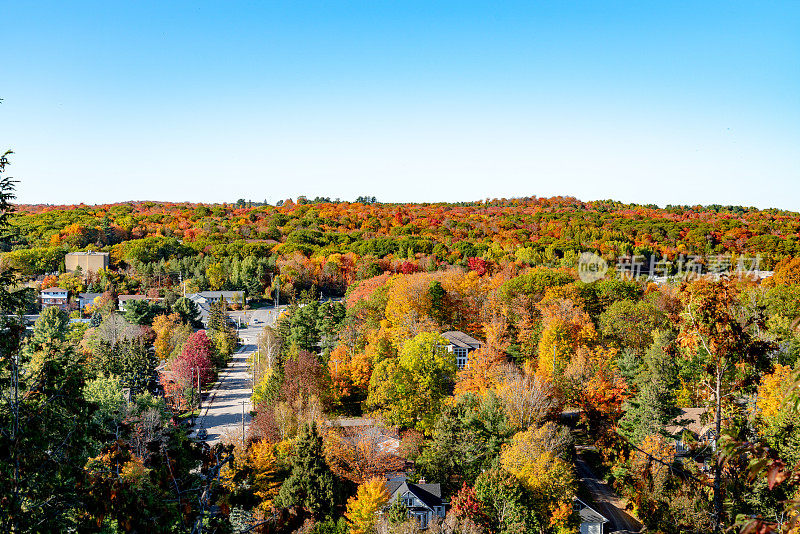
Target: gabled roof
(589, 514)
(461, 340)
(87, 253)
(690, 419)
(90, 296)
(54, 290)
(218, 294)
(429, 494)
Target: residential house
(423, 501)
(592, 521)
(55, 296)
(85, 299)
(461, 345)
(124, 299)
(202, 305)
(89, 262)
(210, 297)
(690, 423)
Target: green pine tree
(311, 484)
(653, 407)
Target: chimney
(422, 480)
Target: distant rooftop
(462, 340)
(87, 253)
(54, 290)
(123, 298)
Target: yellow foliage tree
(256, 469)
(164, 327)
(408, 307)
(772, 391)
(566, 327)
(548, 478)
(370, 497)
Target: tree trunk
(717, 460)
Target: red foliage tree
(465, 505)
(479, 265)
(196, 353)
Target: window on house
(461, 357)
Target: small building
(461, 345)
(423, 501)
(89, 262)
(592, 521)
(55, 296)
(85, 299)
(690, 423)
(211, 297)
(124, 299)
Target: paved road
(607, 502)
(222, 411)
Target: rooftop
(54, 290)
(691, 419)
(462, 340)
(87, 253)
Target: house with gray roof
(592, 521)
(210, 297)
(461, 345)
(423, 501)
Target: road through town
(226, 410)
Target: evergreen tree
(438, 298)
(653, 407)
(311, 484)
(188, 311)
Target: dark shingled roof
(589, 514)
(430, 494)
(461, 340)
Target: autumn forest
(675, 394)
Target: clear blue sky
(652, 102)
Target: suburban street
(607, 502)
(222, 410)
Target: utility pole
(191, 386)
(278, 290)
(199, 393)
(243, 403)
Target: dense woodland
(95, 416)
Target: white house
(592, 521)
(423, 501)
(55, 296)
(461, 345)
(210, 297)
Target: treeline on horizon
(379, 236)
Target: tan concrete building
(89, 262)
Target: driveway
(605, 501)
